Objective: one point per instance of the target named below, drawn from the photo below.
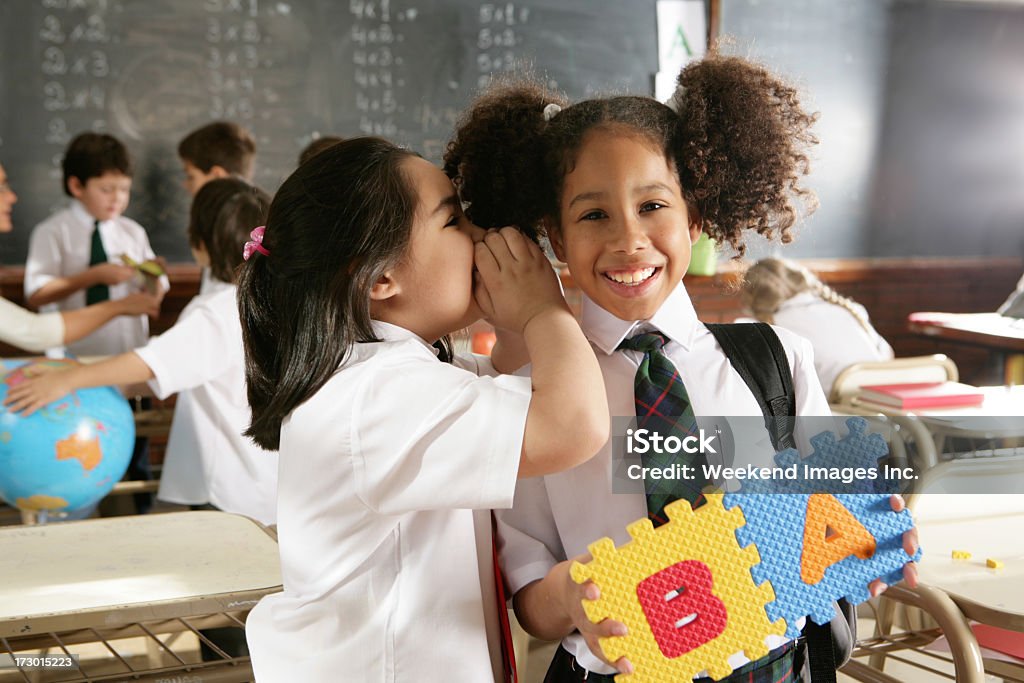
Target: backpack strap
(756, 353)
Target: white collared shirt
(61, 245)
(837, 337)
(381, 472)
(27, 330)
(208, 459)
(556, 517)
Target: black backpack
(756, 353)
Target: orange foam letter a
(821, 549)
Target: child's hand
(111, 273)
(516, 282)
(35, 392)
(140, 304)
(910, 545)
(573, 595)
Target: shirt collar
(79, 212)
(394, 333)
(676, 319)
(214, 286)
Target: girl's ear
(696, 225)
(217, 171)
(384, 288)
(555, 238)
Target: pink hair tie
(255, 243)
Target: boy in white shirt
(74, 256)
(75, 260)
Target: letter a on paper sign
(822, 550)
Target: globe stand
(40, 517)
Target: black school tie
(97, 255)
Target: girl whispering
(387, 444)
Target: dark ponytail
(335, 226)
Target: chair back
(934, 368)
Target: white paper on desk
(682, 33)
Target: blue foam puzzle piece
(857, 449)
(775, 524)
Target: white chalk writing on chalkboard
(149, 71)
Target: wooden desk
(103, 579)
(999, 334)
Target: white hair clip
(678, 100)
(551, 110)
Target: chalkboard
(149, 71)
(836, 52)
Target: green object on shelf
(703, 256)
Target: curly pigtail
(744, 148)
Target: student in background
(391, 453)
(208, 462)
(74, 256)
(317, 146)
(38, 332)
(217, 150)
(623, 186)
(786, 294)
(200, 358)
(75, 259)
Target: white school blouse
(837, 338)
(381, 471)
(556, 517)
(60, 247)
(27, 330)
(208, 459)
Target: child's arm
(43, 389)
(84, 321)
(60, 288)
(567, 421)
(509, 352)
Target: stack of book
(921, 395)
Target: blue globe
(69, 454)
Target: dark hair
(737, 143)
(317, 146)
(221, 143)
(90, 155)
(336, 225)
(223, 214)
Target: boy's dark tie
(97, 255)
(662, 407)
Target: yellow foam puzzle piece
(706, 535)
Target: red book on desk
(922, 395)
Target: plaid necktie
(97, 255)
(663, 407)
